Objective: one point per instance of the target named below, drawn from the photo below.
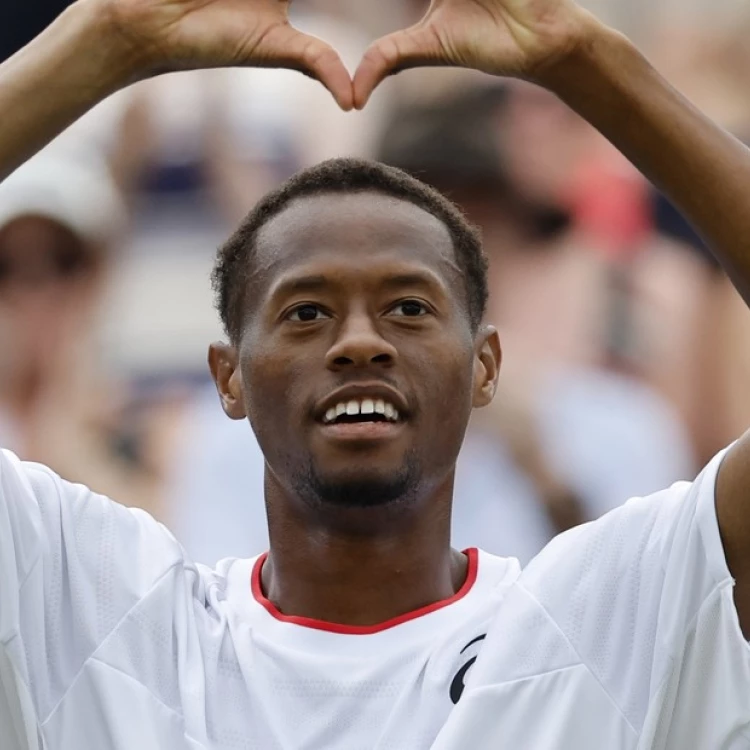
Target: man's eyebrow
(412, 279)
(300, 284)
(318, 282)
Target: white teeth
(365, 406)
(352, 408)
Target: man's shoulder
(639, 538)
(623, 608)
(607, 592)
(622, 536)
(77, 531)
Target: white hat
(75, 189)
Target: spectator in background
(584, 437)
(60, 217)
(696, 329)
(214, 141)
(681, 294)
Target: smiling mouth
(359, 411)
(364, 419)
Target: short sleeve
(625, 630)
(72, 564)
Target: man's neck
(361, 580)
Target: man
(353, 300)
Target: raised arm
(600, 74)
(99, 46)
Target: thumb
(410, 48)
(293, 49)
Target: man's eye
(409, 308)
(306, 314)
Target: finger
(317, 59)
(410, 48)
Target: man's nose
(359, 344)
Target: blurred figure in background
(60, 220)
(679, 291)
(695, 331)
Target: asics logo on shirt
(458, 682)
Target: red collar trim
(332, 627)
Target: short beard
(359, 491)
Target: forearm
(50, 83)
(703, 169)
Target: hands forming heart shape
(518, 38)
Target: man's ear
(223, 362)
(486, 366)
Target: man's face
(358, 365)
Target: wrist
(588, 47)
(86, 40)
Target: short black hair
(347, 175)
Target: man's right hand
(167, 35)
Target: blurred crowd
(625, 348)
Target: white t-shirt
(620, 635)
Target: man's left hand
(515, 38)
